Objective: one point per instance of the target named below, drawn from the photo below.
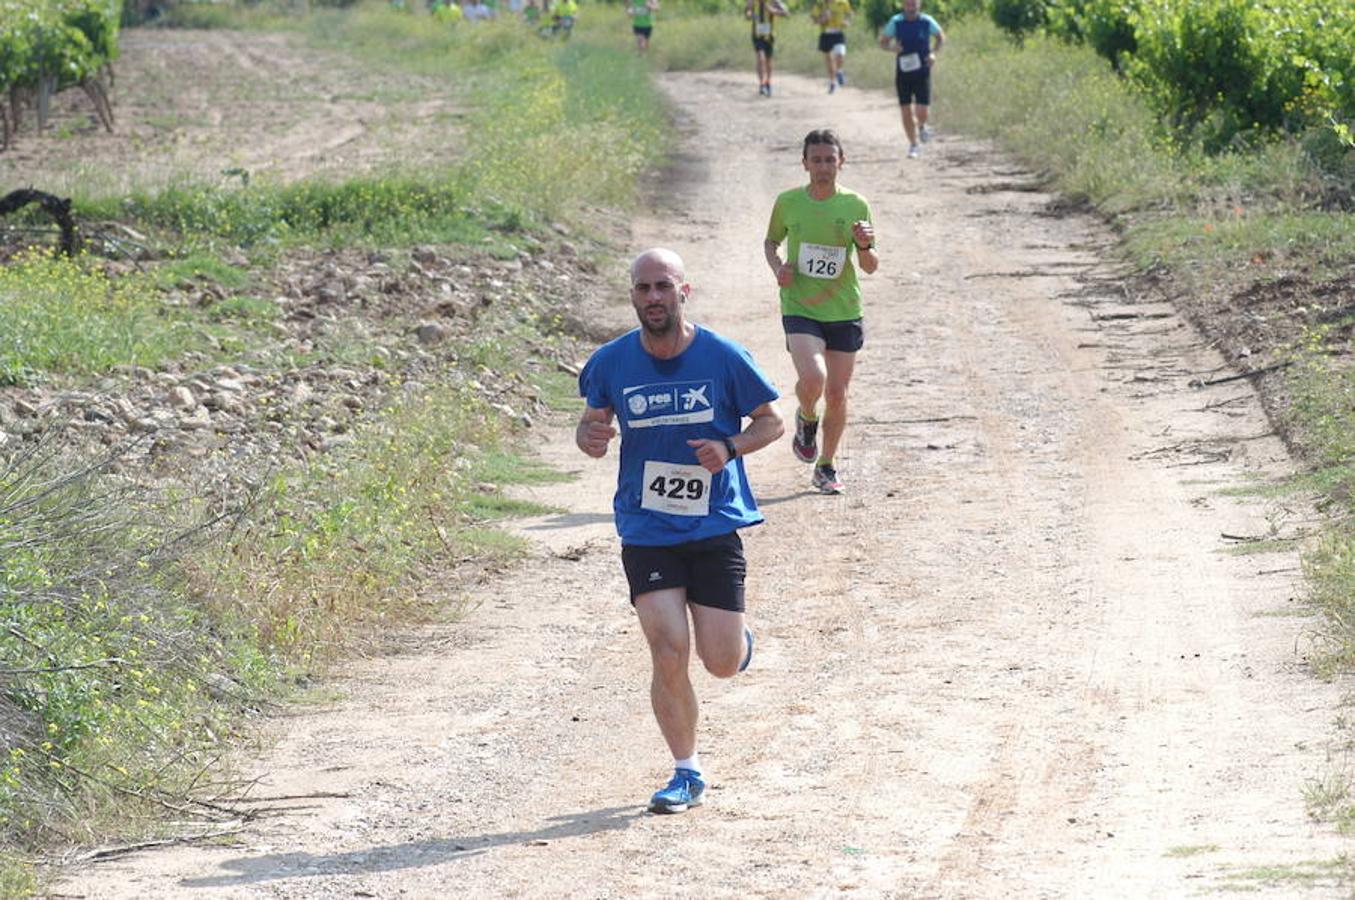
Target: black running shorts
(712, 570)
(914, 87)
(845, 337)
(830, 39)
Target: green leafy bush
(1018, 17)
(878, 12)
(1217, 70)
(1105, 25)
(67, 39)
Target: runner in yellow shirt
(832, 17)
(448, 11)
(566, 11)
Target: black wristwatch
(729, 446)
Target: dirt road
(1016, 659)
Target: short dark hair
(822, 136)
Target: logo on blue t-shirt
(672, 403)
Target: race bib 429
(676, 489)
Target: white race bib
(822, 261)
(909, 62)
(675, 489)
(762, 29)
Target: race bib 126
(822, 261)
(676, 489)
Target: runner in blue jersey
(916, 39)
(680, 393)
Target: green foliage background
(70, 39)
(1220, 70)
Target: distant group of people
(913, 36)
(550, 17)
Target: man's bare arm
(595, 431)
(766, 426)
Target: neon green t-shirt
(448, 12)
(821, 247)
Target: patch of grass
(1206, 246)
(1312, 873)
(340, 542)
(1328, 798)
(199, 266)
(1263, 488)
(493, 543)
(1291, 612)
(506, 466)
(1187, 850)
(120, 322)
(17, 879)
(557, 389)
(367, 211)
(1263, 545)
(492, 507)
(223, 15)
(244, 308)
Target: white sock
(693, 763)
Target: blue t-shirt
(663, 496)
(914, 36)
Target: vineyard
(48, 46)
(1221, 71)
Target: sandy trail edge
(1014, 660)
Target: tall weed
(104, 660)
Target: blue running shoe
(748, 639)
(682, 793)
(841, 78)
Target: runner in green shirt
(820, 296)
(641, 14)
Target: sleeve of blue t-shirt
(891, 31)
(593, 387)
(751, 387)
